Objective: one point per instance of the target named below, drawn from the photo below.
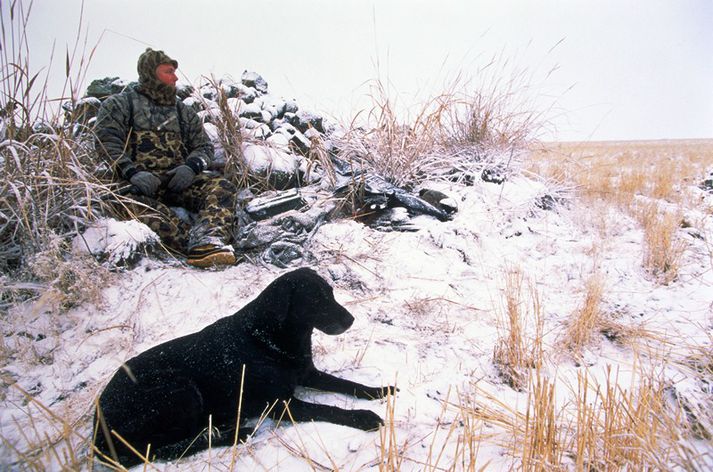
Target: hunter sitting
(158, 145)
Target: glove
(182, 178)
(146, 182)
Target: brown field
(617, 171)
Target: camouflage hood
(149, 85)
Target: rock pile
(276, 137)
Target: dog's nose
(340, 322)
(349, 320)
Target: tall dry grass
(649, 181)
(586, 321)
(606, 426)
(520, 331)
(230, 136)
(51, 185)
(663, 249)
(620, 427)
(453, 134)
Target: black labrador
(164, 396)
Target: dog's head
(306, 299)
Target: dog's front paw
(366, 420)
(374, 393)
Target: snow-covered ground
(427, 306)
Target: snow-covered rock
(118, 242)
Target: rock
(291, 107)
(119, 243)
(82, 111)
(279, 141)
(206, 116)
(184, 91)
(252, 111)
(300, 143)
(208, 91)
(42, 127)
(312, 133)
(279, 167)
(265, 116)
(261, 132)
(248, 123)
(194, 103)
(246, 94)
(277, 123)
(219, 156)
(285, 129)
(255, 80)
(102, 88)
(289, 117)
(494, 175)
(275, 106)
(707, 184)
(439, 200)
(303, 120)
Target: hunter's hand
(146, 183)
(181, 178)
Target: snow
(265, 158)
(426, 303)
(116, 239)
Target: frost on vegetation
(60, 282)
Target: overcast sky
(622, 69)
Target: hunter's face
(166, 74)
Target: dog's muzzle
(338, 323)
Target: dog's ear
(277, 300)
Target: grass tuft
(516, 352)
(586, 321)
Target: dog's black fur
(164, 396)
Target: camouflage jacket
(123, 116)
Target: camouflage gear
(148, 83)
(135, 133)
(130, 124)
(211, 198)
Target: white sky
(625, 69)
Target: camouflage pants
(210, 197)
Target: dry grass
(624, 428)
(648, 180)
(520, 331)
(604, 427)
(51, 185)
(543, 436)
(585, 322)
(51, 441)
(619, 171)
(663, 249)
(230, 137)
(535, 438)
(452, 135)
(401, 149)
(390, 451)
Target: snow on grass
(427, 306)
